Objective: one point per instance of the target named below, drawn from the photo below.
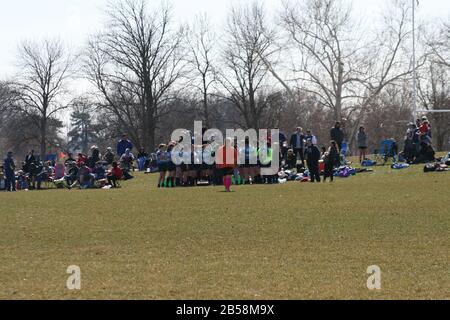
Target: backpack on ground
(430, 167)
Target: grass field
(292, 241)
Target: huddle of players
(202, 168)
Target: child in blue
(99, 171)
(22, 181)
(10, 176)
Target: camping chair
(388, 150)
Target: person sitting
(71, 175)
(35, 169)
(82, 158)
(99, 171)
(142, 159)
(99, 174)
(427, 153)
(109, 156)
(69, 159)
(45, 174)
(85, 178)
(22, 181)
(126, 164)
(291, 160)
(409, 149)
(94, 158)
(114, 175)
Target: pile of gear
(441, 165)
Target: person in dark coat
(283, 144)
(123, 145)
(312, 154)
(94, 158)
(9, 168)
(298, 143)
(29, 160)
(332, 160)
(337, 134)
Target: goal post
(431, 111)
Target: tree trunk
(205, 104)
(43, 138)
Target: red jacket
(116, 172)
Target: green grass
(293, 241)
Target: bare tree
(134, 65)
(439, 44)
(247, 45)
(434, 94)
(41, 84)
(346, 69)
(202, 40)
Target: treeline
(308, 64)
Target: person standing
(362, 143)
(337, 134)
(283, 144)
(311, 136)
(10, 175)
(123, 145)
(298, 143)
(30, 159)
(226, 161)
(312, 154)
(332, 160)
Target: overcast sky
(73, 20)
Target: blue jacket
(123, 145)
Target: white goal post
(431, 111)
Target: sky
(73, 20)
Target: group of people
(418, 146)
(219, 164)
(84, 171)
(300, 152)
